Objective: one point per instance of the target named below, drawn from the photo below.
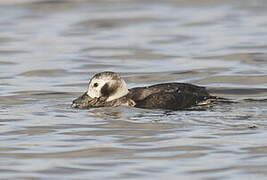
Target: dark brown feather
(168, 96)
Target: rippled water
(50, 49)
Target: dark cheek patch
(107, 90)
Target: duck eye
(95, 84)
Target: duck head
(103, 88)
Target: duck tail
(220, 99)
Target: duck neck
(122, 90)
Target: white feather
(95, 92)
(122, 91)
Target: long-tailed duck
(107, 89)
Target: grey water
(50, 49)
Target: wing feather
(168, 96)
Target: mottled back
(168, 96)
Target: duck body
(172, 96)
(169, 96)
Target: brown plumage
(173, 96)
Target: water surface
(50, 49)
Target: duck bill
(84, 101)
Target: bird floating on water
(108, 89)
